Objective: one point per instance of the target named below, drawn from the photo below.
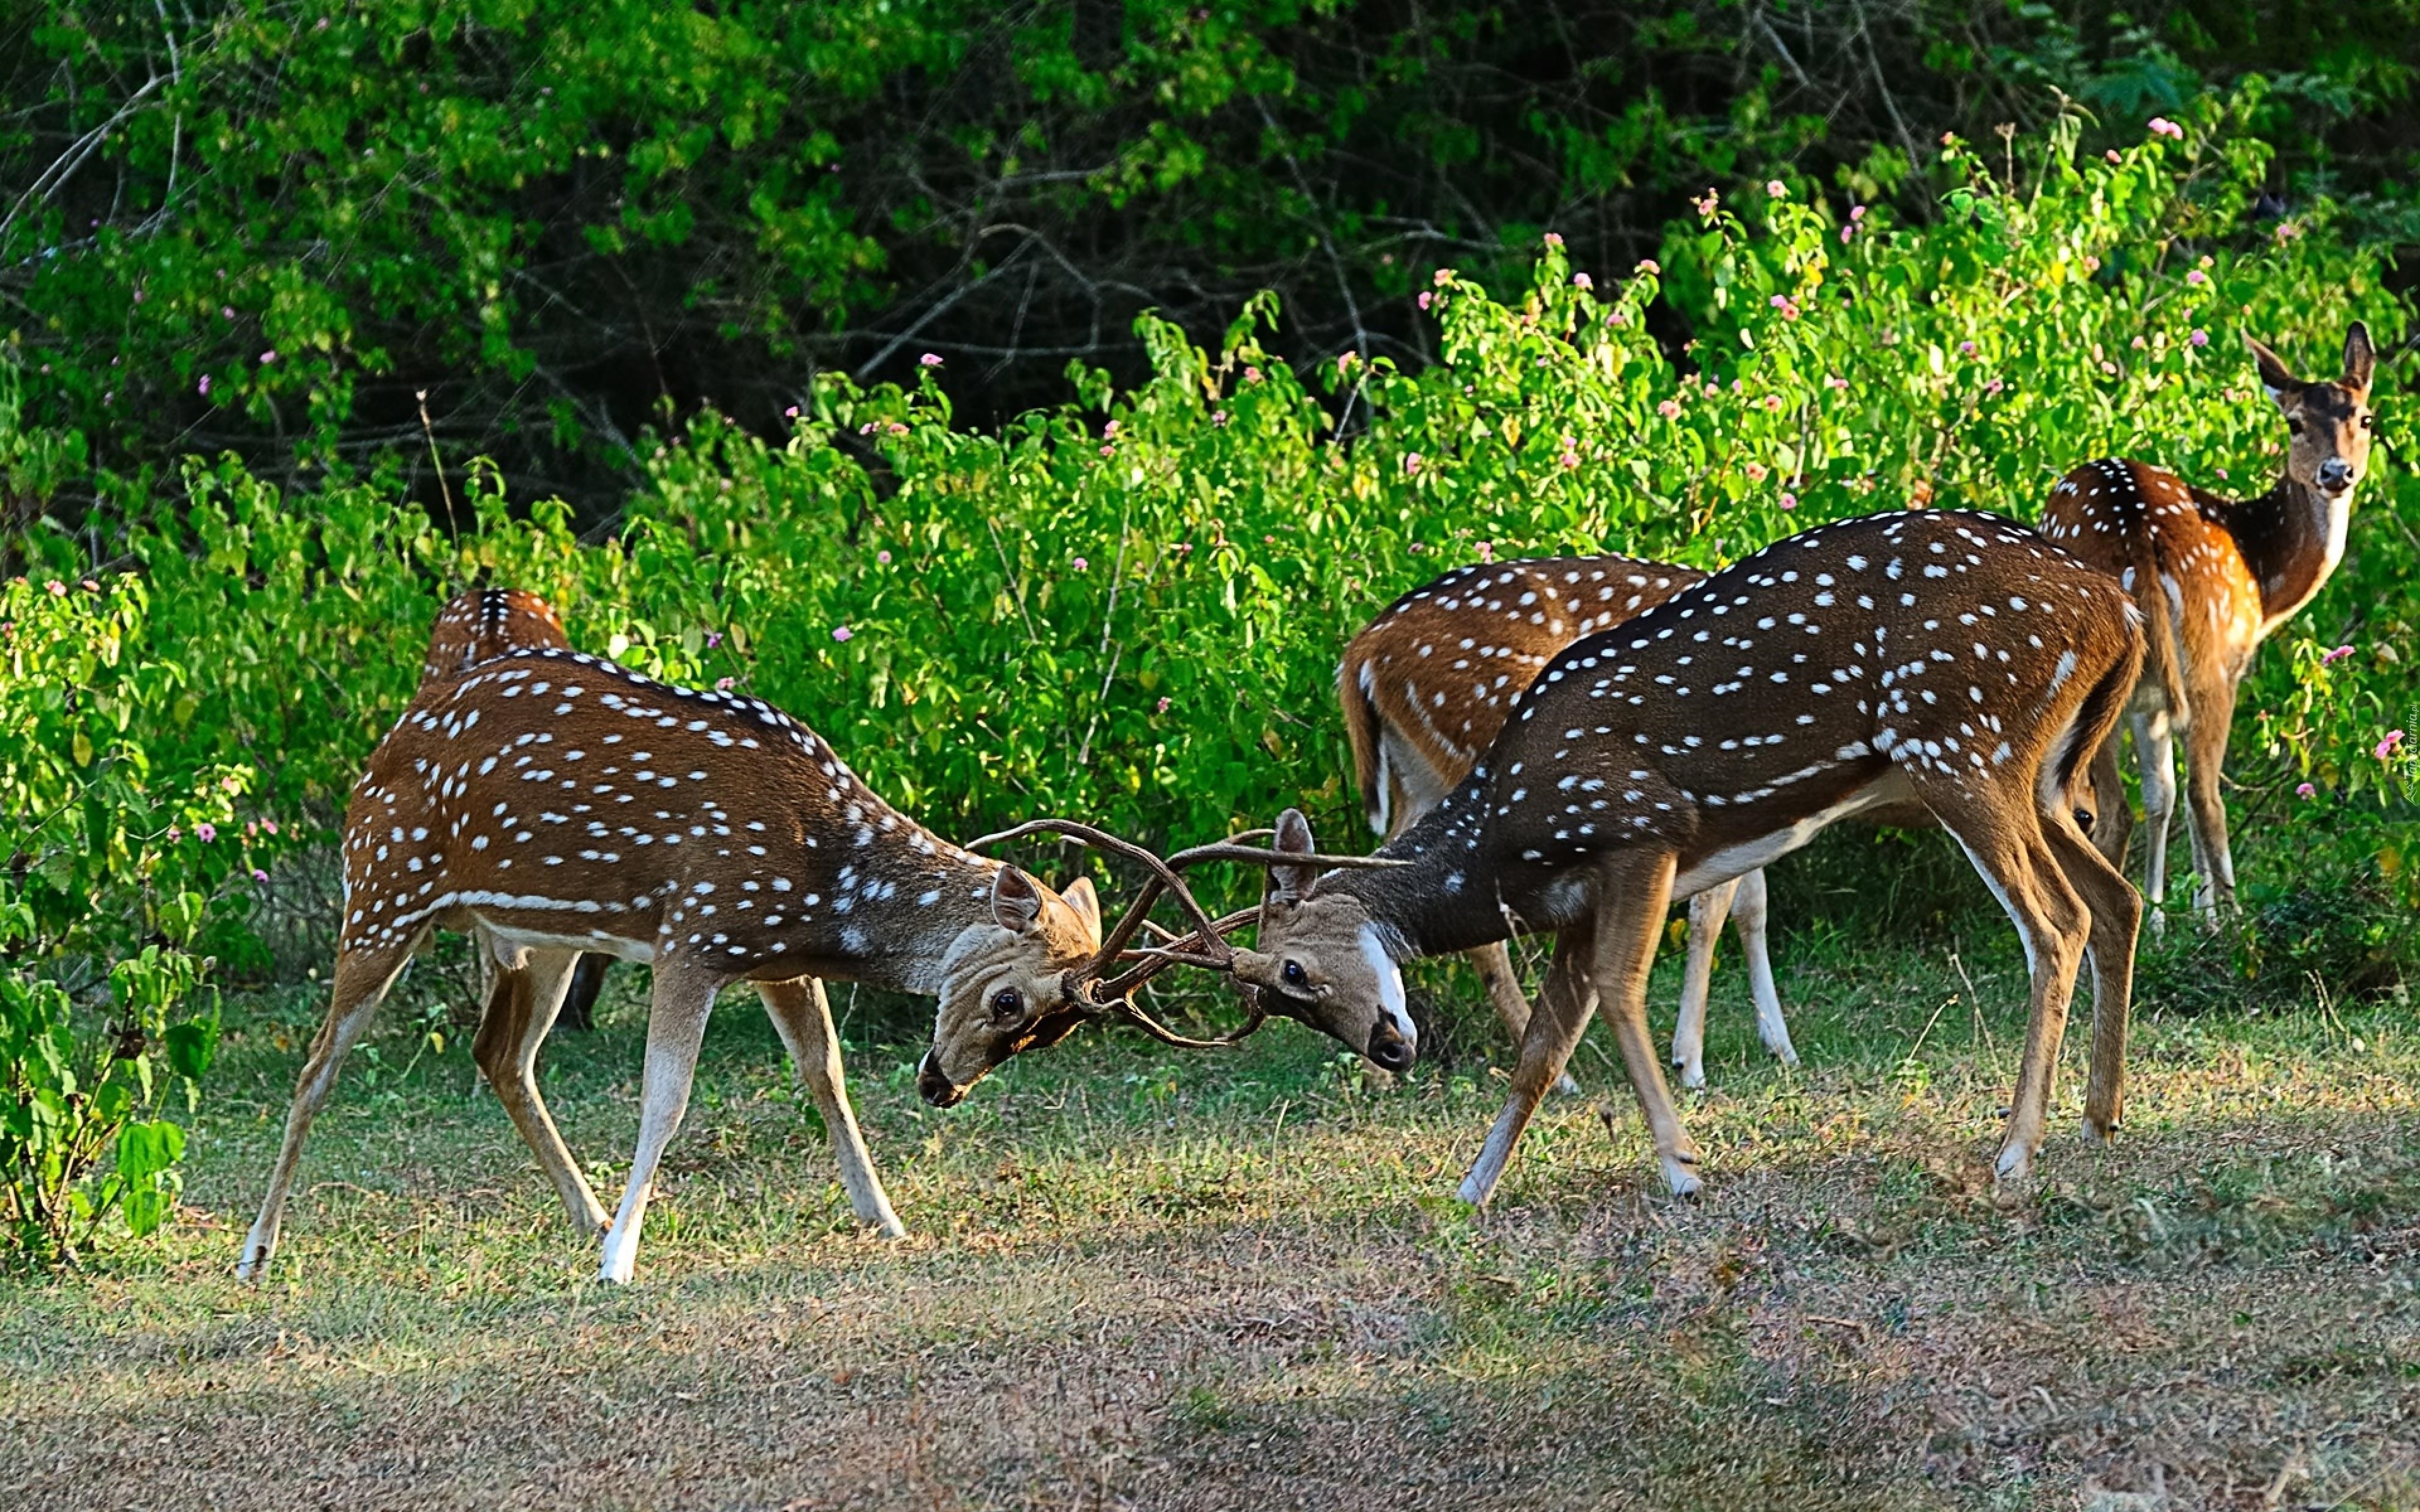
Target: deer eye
(2369, 422)
(1007, 1003)
(1295, 976)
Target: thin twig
(444, 488)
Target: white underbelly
(1718, 866)
(595, 941)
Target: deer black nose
(1389, 1050)
(935, 1088)
(2336, 472)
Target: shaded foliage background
(270, 225)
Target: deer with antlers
(562, 804)
(1949, 659)
(2215, 577)
(1426, 686)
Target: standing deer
(1426, 686)
(563, 804)
(1954, 659)
(2215, 578)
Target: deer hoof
(2015, 1164)
(1681, 1178)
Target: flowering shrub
(122, 853)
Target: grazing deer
(563, 804)
(1951, 658)
(2214, 577)
(1426, 686)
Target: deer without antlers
(1426, 686)
(1954, 659)
(2214, 577)
(561, 804)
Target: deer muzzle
(1389, 1050)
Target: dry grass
(1236, 1282)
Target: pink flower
(930, 360)
(1081, 564)
(1847, 234)
(883, 557)
(2161, 126)
(1582, 281)
(1965, 349)
(1416, 548)
(1344, 361)
(1218, 417)
(1252, 375)
(1425, 297)
(259, 876)
(268, 357)
(58, 589)
(1857, 212)
(842, 632)
(2091, 263)
(1648, 265)
(1994, 387)
(1569, 459)
(791, 414)
(2305, 791)
(1706, 205)
(1411, 463)
(1773, 404)
(1790, 501)
(1442, 277)
(175, 834)
(1776, 188)
(2112, 155)
(722, 685)
(1111, 449)
(2388, 747)
(1554, 238)
(896, 429)
(2196, 276)
(2339, 655)
(1669, 408)
(866, 429)
(203, 388)
(1757, 472)
(205, 832)
(269, 824)
(1162, 707)
(1110, 431)
(1834, 380)
(1487, 550)
(2200, 338)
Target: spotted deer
(2215, 577)
(1426, 686)
(563, 804)
(1956, 660)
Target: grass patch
(1236, 1280)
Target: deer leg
(2113, 817)
(803, 1015)
(2007, 846)
(2155, 757)
(677, 1015)
(2205, 765)
(1749, 915)
(362, 979)
(1634, 893)
(1564, 1003)
(587, 981)
(2117, 913)
(529, 994)
(1707, 912)
(1494, 964)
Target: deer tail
(2161, 657)
(1357, 689)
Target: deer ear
(2361, 358)
(1016, 902)
(2274, 376)
(1291, 883)
(1086, 903)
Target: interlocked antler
(1206, 947)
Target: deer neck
(1444, 898)
(2291, 537)
(899, 904)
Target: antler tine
(1257, 1016)
(1262, 855)
(1151, 961)
(1099, 838)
